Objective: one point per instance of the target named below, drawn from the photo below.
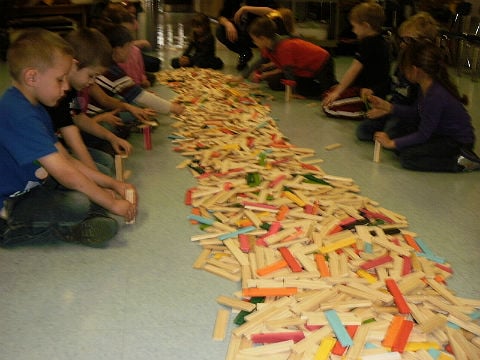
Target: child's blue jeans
(46, 213)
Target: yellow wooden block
(338, 245)
(323, 352)
(415, 346)
(367, 276)
(294, 198)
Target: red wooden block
(269, 338)
(339, 349)
(400, 301)
(291, 261)
(402, 337)
(376, 262)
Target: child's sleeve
(152, 101)
(116, 82)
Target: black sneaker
(243, 60)
(95, 231)
(3, 227)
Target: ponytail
(431, 59)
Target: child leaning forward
(45, 193)
(308, 66)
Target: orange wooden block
(393, 331)
(245, 223)
(282, 212)
(280, 264)
(411, 241)
(254, 292)
(322, 265)
(195, 211)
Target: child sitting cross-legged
(45, 193)
(201, 49)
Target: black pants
(242, 46)
(152, 64)
(311, 87)
(440, 153)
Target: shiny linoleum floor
(140, 298)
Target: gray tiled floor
(140, 298)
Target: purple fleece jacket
(440, 114)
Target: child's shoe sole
(95, 231)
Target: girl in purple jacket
(444, 138)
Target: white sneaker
(468, 165)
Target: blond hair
(370, 13)
(421, 25)
(35, 48)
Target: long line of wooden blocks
(339, 277)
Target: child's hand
(177, 109)
(232, 34)
(121, 187)
(184, 60)
(256, 77)
(330, 97)
(109, 117)
(121, 146)
(124, 208)
(365, 93)
(379, 108)
(384, 140)
(141, 114)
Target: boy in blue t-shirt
(45, 193)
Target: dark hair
(117, 14)
(263, 26)
(202, 21)
(91, 47)
(430, 58)
(279, 21)
(117, 35)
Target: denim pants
(105, 162)
(46, 213)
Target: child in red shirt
(310, 66)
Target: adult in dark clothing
(233, 22)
